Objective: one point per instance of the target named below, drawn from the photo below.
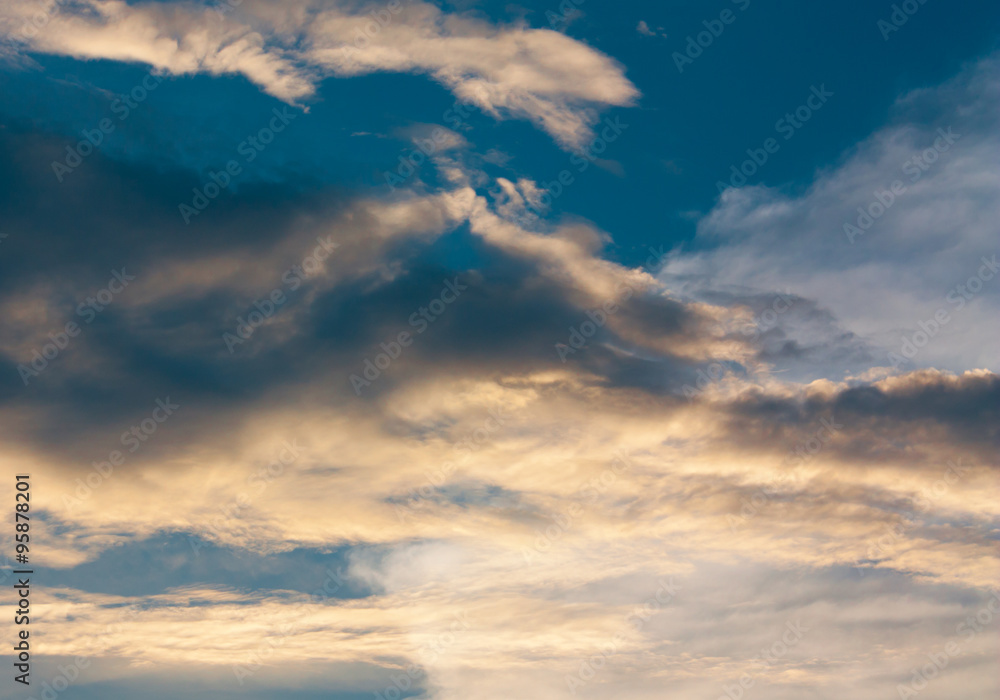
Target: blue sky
(488, 372)
(683, 135)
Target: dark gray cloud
(879, 422)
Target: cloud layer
(329, 443)
(508, 72)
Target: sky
(479, 350)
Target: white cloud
(553, 81)
(900, 269)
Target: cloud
(500, 515)
(539, 75)
(927, 250)
(644, 29)
(179, 39)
